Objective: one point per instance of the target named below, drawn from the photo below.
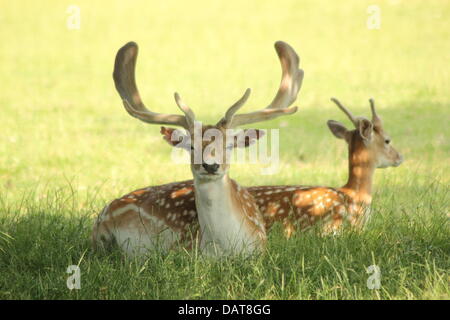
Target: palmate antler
(291, 82)
(124, 79)
(292, 77)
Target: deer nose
(210, 168)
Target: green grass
(68, 147)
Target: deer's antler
(352, 118)
(291, 82)
(124, 79)
(376, 121)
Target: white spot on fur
(125, 209)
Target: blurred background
(63, 124)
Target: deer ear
(174, 137)
(247, 137)
(338, 129)
(365, 129)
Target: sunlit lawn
(67, 146)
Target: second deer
(300, 207)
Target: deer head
(209, 153)
(368, 139)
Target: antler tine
(345, 110)
(228, 118)
(375, 119)
(190, 116)
(124, 79)
(291, 81)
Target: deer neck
(223, 220)
(361, 170)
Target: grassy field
(67, 146)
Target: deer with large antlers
(226, 214)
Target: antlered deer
(227, 214)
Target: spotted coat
(173, 205)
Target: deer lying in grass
(300, 207)
(227, 215)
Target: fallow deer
(299, 207)
(226, 214)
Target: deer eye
(387, 141)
